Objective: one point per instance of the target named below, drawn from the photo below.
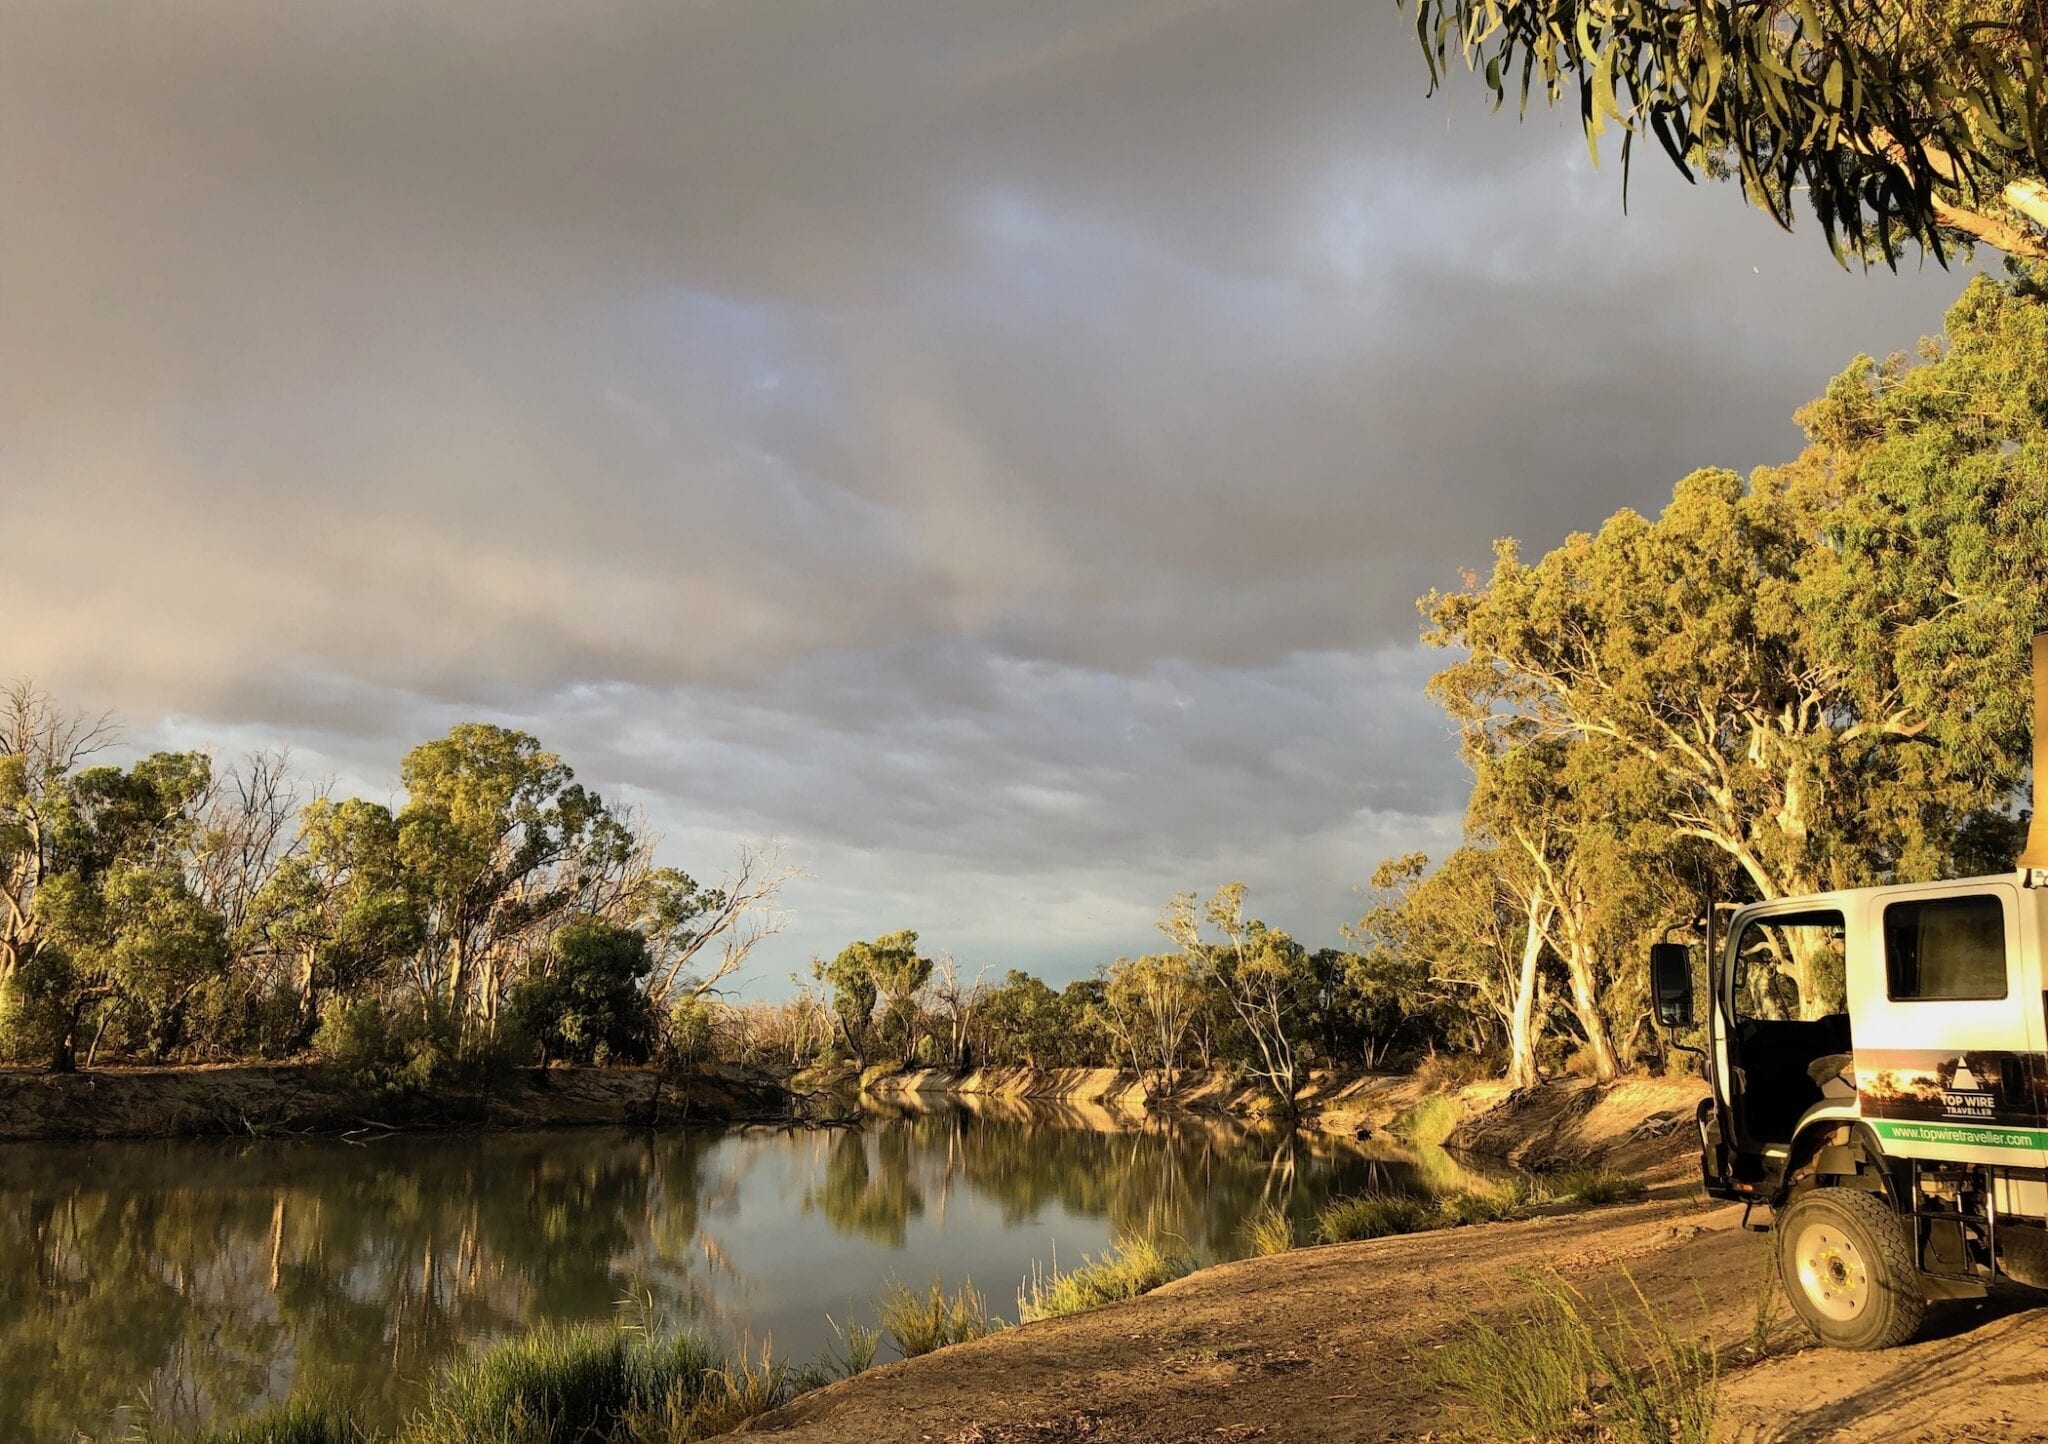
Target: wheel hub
(1831, 1272)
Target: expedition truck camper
(1878, 1062)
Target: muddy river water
(193, 1280)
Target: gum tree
(1900, 121)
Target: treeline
(170, 910)
(1229, 992)
(1815, 677)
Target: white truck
(1878, 1062)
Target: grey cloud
(997, 446)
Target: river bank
(1567, 1123)
(1339, 1343)
(306, 1098)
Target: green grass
(584, 1384)
(1267, 1231)
(1598, 1186)
(1431, 1121)
(299, 1421)
(1558, 1367)
(858, 1345)
(1373, 1215)
(1497, 1203)
(1135, 1266)
(918, 1323)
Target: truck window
(1792, 967)
(1945, 948)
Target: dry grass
(917, 1323)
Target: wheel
(1847, 1265)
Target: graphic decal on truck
(1960, 1089)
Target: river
(192, 1280)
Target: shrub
(588, 1005)
(1598, 1186)
(1372, 1215)
(355, 1039)
(1267, 1231)
(919, 1323)
(1444, 1072)
(1133, 1267)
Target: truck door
(1949, 1026)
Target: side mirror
(1671, 984)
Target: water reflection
(198, 1278)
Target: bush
(1373, 1215)
(1598, 1186)
(919, 1323)
(588, 1005)
(1133, 1267)
(690, 1035)
(1267, 1231)
(1445, 1072)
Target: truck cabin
(1890, 989)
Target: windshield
(1792, 966)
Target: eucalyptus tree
(1470, 925)
(489, 822)
(1262, 974)
(1901, 121)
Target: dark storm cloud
(995, 446)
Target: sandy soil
(1334, 1344)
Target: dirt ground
(1333, 1344)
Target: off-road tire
(1846, 1263)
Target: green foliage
(588, 1004)
(1898, 121)
(1267, 1231)
(1373, 1215)
(1133, 1266)
(918, 1323)
(1555, 1364)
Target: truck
(1877, 1062)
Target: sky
(991, 448)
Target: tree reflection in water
(197, 1278)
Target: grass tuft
(1372, 1215)
(1267, 1231)
(858, 1345)
(918, 1323)
(1555, 1365)
(1133, 1267)
(298, 1421)
(1598, 1186)
(1497, 1203)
